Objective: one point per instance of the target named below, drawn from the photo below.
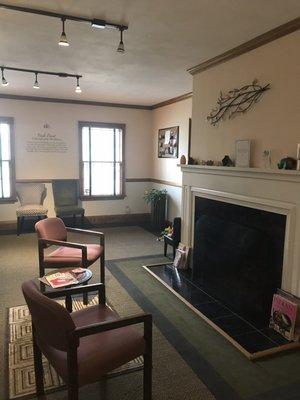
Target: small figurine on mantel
(183, 160)
(227, 162)
(287, 163)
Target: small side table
(82, 279)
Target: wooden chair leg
(21, 223)
(18, 225)
(38, 366)
(147, 375)
(72, 371)
(72, 392)
(85, 297)
(82, 220)
(165, 248)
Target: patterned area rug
(20, 355)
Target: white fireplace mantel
(271, 190)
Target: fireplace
(238, 255)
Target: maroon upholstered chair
(84, 345)
(52, 231)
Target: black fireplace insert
(238, 256)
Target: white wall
(29, 119)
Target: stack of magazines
(63, 278)
(285, 315)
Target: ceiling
(165, 37)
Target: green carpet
(223, 369)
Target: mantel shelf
(257, 173)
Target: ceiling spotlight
(78, 88)
(98, 23)
(121, 48)
(63, 41)
(4, 81)
(36, 83)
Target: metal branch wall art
(236, 101)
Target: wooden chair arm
(85, 231)
(100, 235)
(92, 329)
(62, 243)
(93, 287)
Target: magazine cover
(60, 279)
(296, 300)
(283, 316)
(181, 256)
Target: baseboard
(122, 219)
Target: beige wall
(176, 114)
(29, 118)
(273, 123)
(166, 168)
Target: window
(101, 160)
(7, 174)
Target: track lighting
(63, 41)
(36, 83)
(121, 48)
(95, 22)
(78, 88)
(98, 23)
(4, 81)
(38, 72)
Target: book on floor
(283, 316)
(181, 256)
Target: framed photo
(168, 142)
(242, 153)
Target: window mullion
(1, 167)
(114, 162)
(90, 161)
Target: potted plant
(157, 200)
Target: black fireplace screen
(238, 255)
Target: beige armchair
(31, 197)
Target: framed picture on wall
(242, 153)
(168, 142)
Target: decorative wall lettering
(236, 101)
(43, 142)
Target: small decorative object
(209, 163)
(181, 256)
(227, 162)
(168, 142)
(298, 157)
(242, 153)
(236, 101)
(182, 160)
(287, 163)
(157, 199)
(192, 161)
(267, 158)
(168, 231)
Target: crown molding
(173, 100)
(69, 101)
(252, 44)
